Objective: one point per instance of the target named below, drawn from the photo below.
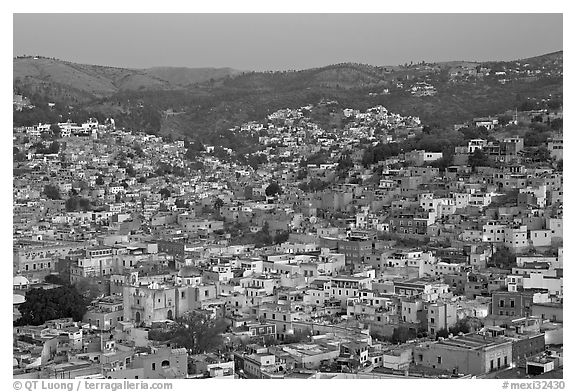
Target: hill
(64, 81)
(181, 76)
(204, 103)
(73, 83)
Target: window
(439, 359)
(432, 320)
(501, 303)
(511, 303)
(491, 364)
(153, 365)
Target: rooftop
(472, 341)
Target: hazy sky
(283, 41)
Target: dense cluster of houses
(411, 271)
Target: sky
(283, 41)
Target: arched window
(165, 364)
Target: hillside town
(366, 249)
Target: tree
(507, 199)
(542, 154)
(18, 156)
(193, 150)
(402, 334)
(52, 192)
(181, 203)
(72, 204)
(554, 104)
(56, 131)
(560, 165)
(556, 124)
(478, 158)
(197, 332)
(218, 203)
(88, 289)
(538, 133)
(273, 189)
(344, 163)
(297, 337)
(76, 203)
(55, 279)
(503, 258)
(42, 305)
(54, 147)
(130, 170)
(138, 150)
(465, 325)
(165, 192)
(281, 237)
(442, 333)
(84, 204)
(527, 105)
(470, 133)
(442, 163)
(504, 119)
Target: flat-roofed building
(472, 353)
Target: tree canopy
(165, 192)
(52, 192)
(76, 203)
(478, 158)
(273, 189)
(196, 332)
(503, 258)
(43, 305)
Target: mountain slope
(199, 102)
(181, 76)
(74, 83)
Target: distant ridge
(199, 101)
(182, 76)
(67, 81)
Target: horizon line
(279, 70)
